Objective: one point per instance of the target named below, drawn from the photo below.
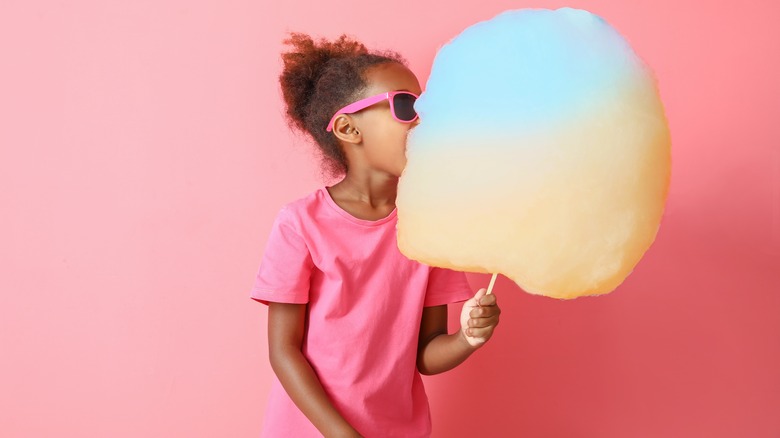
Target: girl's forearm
(304, 388)
(443, 353)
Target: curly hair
(318, 78)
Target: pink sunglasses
(401, 106)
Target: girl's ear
(345, 130)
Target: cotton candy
(542, 154)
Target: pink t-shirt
(365, 302)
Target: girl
(352, 322)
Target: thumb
(480, 293)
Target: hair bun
(319, 77)
(304, 65)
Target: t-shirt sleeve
(446, 286)
(286, 266)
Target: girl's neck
(372, 189)
(370, 197)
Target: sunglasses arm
(357, 106)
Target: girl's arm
(285, 337)
(438, 351)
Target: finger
(480, 312)
(483, 322)
(477, 332)
(479, 295)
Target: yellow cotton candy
(548, 166)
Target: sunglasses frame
(368, 101)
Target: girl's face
(384, 138)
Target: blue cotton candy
(543, 153)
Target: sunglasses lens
(404, 107)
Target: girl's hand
(479, 318)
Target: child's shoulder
(303, 208)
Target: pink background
(143, 158)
